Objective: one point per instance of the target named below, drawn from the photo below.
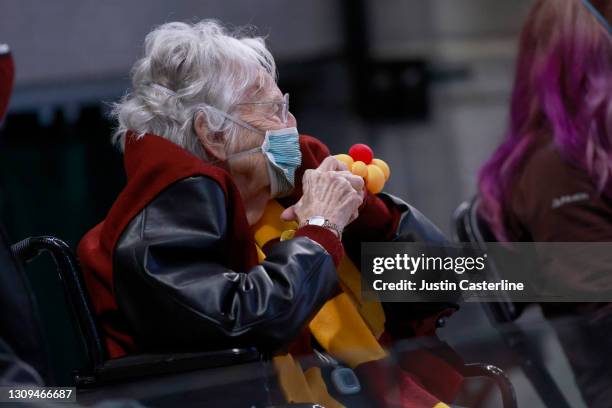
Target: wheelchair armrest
(74, 288)
(498, 376)
(144, 365)
(297, 405)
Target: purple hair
(563, 89)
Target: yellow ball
(383, 166)
(375, 180)
(346, 159)
(360, 169)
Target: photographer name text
(446, 285)
(413, 265)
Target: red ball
(361, 152)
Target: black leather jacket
(173, 285)
(415, 227)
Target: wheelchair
(220, 378)
(503, 313)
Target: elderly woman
(232, 227)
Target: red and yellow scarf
(347, 327)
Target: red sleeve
(7, 73)
(324, 237)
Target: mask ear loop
(241, 123)
(234, 119)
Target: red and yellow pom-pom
(383, 166)
(346, 159)
(361, 152)
(361, 162)
(375, 180)
(360, 169)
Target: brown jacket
(554, 201)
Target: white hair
(185, 68)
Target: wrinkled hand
(330, 192)
(330, 163)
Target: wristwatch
(323, 222)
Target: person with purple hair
(551, 178)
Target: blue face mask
(281, 148)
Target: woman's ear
(213, 143)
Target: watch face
(316, 220)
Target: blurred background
(425, 83)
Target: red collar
(152, 163)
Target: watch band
(321, 221)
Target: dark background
(425, 82)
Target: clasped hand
(330, 191)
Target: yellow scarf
(346, 326)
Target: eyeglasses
(280, 109)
